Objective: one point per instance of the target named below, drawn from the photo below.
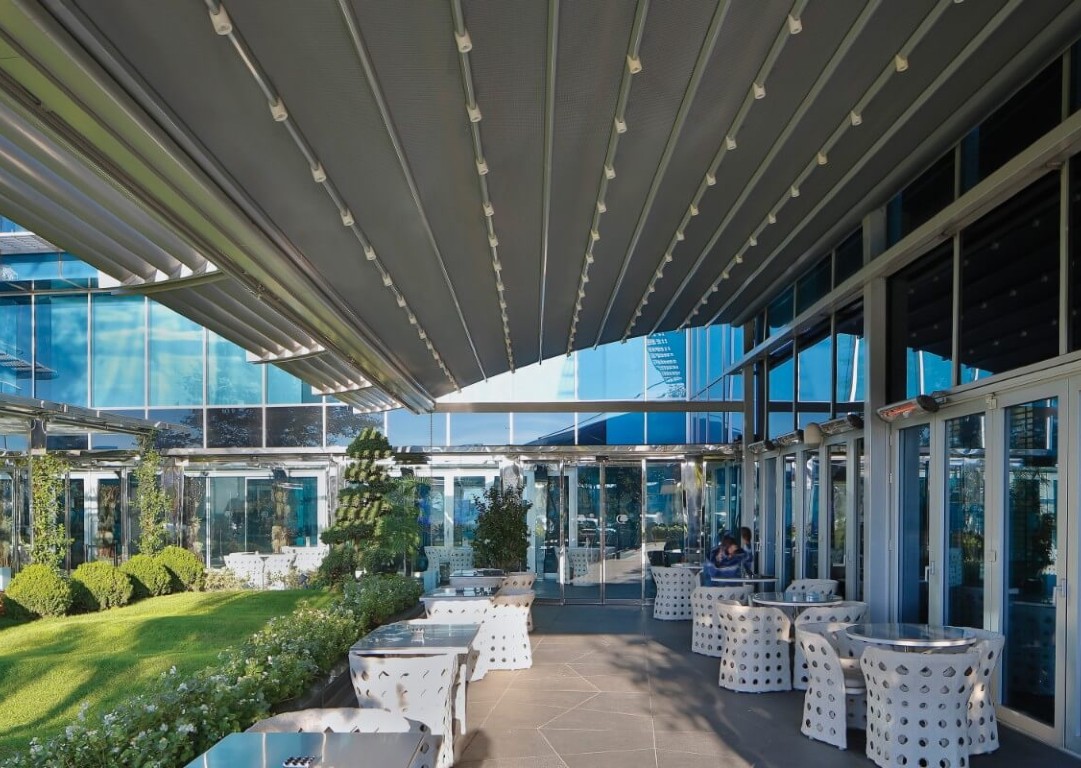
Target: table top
(690, 566)
(459, 593)
(335, 750)
(754, 578)
(474, 573)
(422, 638)
(797, 599)
(912, 635)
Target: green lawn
(49, 667)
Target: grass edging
(185, 716)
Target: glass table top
(469, 573)
(340, 750)
(452, 593)
(912, 635)
(419, 637)
(794, 598)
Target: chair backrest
(749, 624)
(339, 720)
(703, 598)
(825, 586)
(834, 632)
(823, 661)
(461, 558)
(513, 598)
(417, 687)
(848, 612)
(519, 580)
(674, 578)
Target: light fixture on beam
(762, 446)
(795, 437)
(842, 424)
(905, 408)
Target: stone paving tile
(514, 762)
(525, 715)
(492, 687)
(501, 743)
(579, 719)
(641, 758)
(579, 742)
(565, 699)
(626, 703)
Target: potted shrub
(502, 535)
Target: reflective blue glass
(666, 372)
(780, 423)
(119, 344)
(61, 345)
(927, 372)
(549, 381)
(232, 379)
(479, 429)
(666, 428)
(815, 365)
(612, 372)
(102, 441)
(543, 428)
(234, 428)
(294, 427)
(780, 379)
(176, 358)
(701, 367)
(803, 418)
(45, 266)
(283, 388)
(814, 284)
(467, 490)
(16, 442)
(16, 346)
(405, 428)
(611, 429)
(779, 312)
(343, 424)
(192, 418)
(850, 352)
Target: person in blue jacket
(727, 559)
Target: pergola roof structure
(393, 199)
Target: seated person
(728, 559)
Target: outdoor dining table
(912, 637)
(477, 577)
(422, 638)
(795, 600)
(754, 578)
(332, 750)
(457, 593)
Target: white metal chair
(823, 586)
(674, 587)
(755, 655)
(247, 566)
(848, 612)
(917, 706)
(836, 698)
(417, 687)
(503, 642)
(465, 612)
(983, 723)
(706, 634)
(520, 581)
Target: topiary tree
(100, 585)
(150, 577)
(39, 590)
(152, 501)
(50, 540)
(501, 537)
(185, 568)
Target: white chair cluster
(823, 586)
(707, 637)
(674, 588)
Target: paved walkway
(612, 687)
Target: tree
(502, 537)
(50, 542)
(153, 502)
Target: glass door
(789, 555)
(837, 516)
(622, 532)
(964, 559)
(583, 528)
(914, 567)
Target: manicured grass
(48, 668)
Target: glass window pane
(666, 373)
(612, 372)
(779, 312)
(543, 428)
(919, 201)
(406, 428)
(119, 343)
(114, 440)
(966, 466)
(920, 328)
(234, 428)
(1009, 316)
(232, 379)
(192, 418)
(466, 492)
(850, 355)
(810, 515)
(60, 336)
(611, 428)
(548, 381)
(815, 366)
(813, 285)
(781, 371)
(837, 517)
(227, 513)
(848, 258)
(283, 388)
(666, 428)
(16, 346)
(294, 427)
(176, 358)
(1029, 114)
(344, 424)
(479, 429)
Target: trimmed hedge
(185, 568)
(150, 577)
(39, 590)
(186, 716)
(100, 585)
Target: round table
(794, 599)
(754, 578)
(912, 636)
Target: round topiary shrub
(150, 577)
(185, 567)
(40, 590)
(101, 585)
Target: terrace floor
(612, 687)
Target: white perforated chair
(823, 586)
(755, 654)
(848, 612)
(461, 558)
(706, 634)
(418, 687)
(836, 697)
(465, 612)
(674, 588)
(520, 582)
(983, 723)
(503, 642)
(917, 706)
